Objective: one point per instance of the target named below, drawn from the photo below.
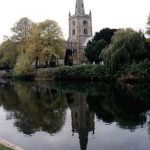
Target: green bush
(23, 66)
(136, 71)
(141, 70)
(87, 72)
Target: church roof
(87, 40)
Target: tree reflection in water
(42, 106)
(34, 108)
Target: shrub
(23, 66)
(88, 72)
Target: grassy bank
(4, 148)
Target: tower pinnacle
(79, 10)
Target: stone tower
(80, 29)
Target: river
(75, 116)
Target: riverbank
(75, 73)
(4, 148)
(133, 74)
(6, 145)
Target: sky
(105, 13)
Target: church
(80, 32)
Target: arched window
(85, 22)
(85, 31)
(73, 32)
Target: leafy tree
(146, 51)
(41, 43)
(147, 43)
(21, 34)
(105, 34)
(94, 49)
(148, 24)
(8, 54)
(126, 44)
(46, 40)
(100, 41)
(23, 65)
(21, 29)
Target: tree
(41, 43)
(8, 54)
(22, 34)
(94, 49)
(147, 41)
(125, 46)
(105, 34)
(23, 65)
(148, 24)
(46, 41)
(100, 41)
(21, 29)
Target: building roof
(87, 40)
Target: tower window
(85, 32)
(82, 5)
(85, 22)
(73, 22)
(73, 32)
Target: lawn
(4, 148)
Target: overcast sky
(105, 13)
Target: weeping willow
(126, 44)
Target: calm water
(71, 116)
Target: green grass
(4, 148)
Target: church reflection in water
(82, 118)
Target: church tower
(80, 29)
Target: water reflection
(120, 106)
(34, 108)
(39, 106)
(82, 118)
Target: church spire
(79, 10)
